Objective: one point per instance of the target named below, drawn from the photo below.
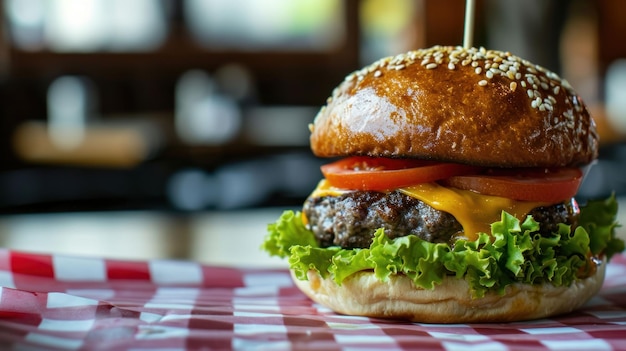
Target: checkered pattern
(58, 303)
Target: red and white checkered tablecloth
(55, 302)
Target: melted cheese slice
(474, 211)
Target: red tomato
(546, 185)
(379, 173)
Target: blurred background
(178, 128)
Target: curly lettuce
(513, 252)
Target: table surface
(51, 301)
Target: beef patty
(350, 220)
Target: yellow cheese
(325, 189)
(474, 211)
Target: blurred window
(315, 25)
(87, 25)
(389, 27)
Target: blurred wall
(196, 104)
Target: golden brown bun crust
(362, 294)
(471, 106)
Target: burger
(448, 196)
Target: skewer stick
(469, 24)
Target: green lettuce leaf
(513, 252)
(598, 218)
(286, 232)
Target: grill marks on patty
(349, 220)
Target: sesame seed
(569, 114)
(378, 73)
(431, 65)
(489, 74)
(451, 66)
(399, 67)
(530, 93)
(482, 83)
(556, 90)
(545, 86)
(478, 70)
(513, 86)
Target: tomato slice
(544, 185)
(379, 173)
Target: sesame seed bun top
(473, 106)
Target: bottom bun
(362, 294)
